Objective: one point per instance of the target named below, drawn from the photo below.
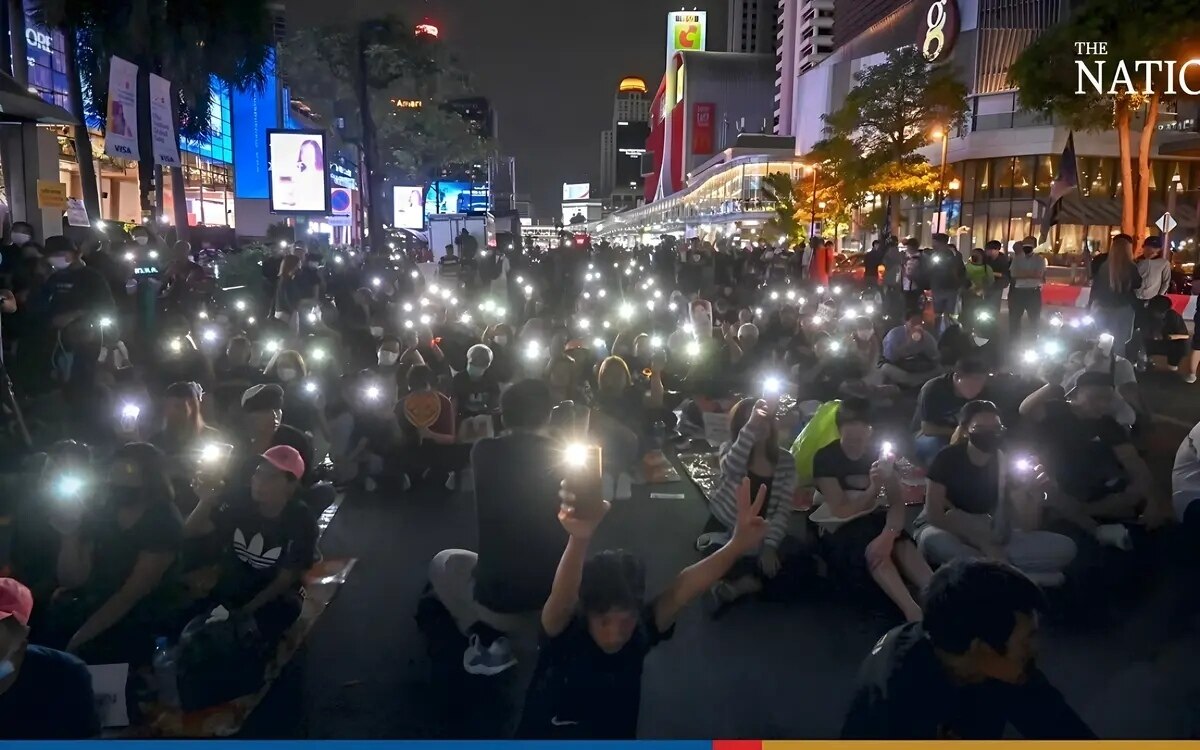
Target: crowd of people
(173, 449)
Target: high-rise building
(751, 26)
(804, 38)
(814, 29)
(622, 145)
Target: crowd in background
(184, 439)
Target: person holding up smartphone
(753, 454)
(597, 628)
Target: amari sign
(938, 29)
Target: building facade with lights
(1003, 160)
(623, 145)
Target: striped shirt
(735, 460)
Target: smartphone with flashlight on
(584, 464)
(213, 459)
(887, 456)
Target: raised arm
(694, 580)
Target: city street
(764, 670)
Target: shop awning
(1099, 212)
(19, 105)
(1182, 147)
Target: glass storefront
(995, 200)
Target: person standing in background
(1028, 272)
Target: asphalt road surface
(764, 670)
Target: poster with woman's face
(298, 180)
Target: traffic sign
(1166, 222)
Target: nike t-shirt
(580, 692)
(257, 548)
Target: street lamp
(940, 133)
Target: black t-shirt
(52, 699)
(938, 403)
(580, 692)
(1079, 452)
(257, 548)
(116, 550)
(904, 694)
(831, 462)
(474, 396)
(73, 289)
(520, 539)
(969, 488)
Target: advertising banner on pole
(120, 133)
(162, 123)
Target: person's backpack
(220, 660)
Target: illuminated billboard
(577, 191)
(408, 207)
(686, 32)
(299, 181)
(456, 197)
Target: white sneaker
(452, 482)
(370, 485)
(489, 661)
(1189, 378)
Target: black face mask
(1028, 250)
(987, 441)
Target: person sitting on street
(978, 505)
(753, 454)
(910, 353)
(968, 670)
(1100, 479)
(44, 694)
(597, 627)
(939, 403)
(1164, 332)
(433, 450)
(854, 526)
(494, 595)
(1128, 406)
(476, 390)
(184, 436)
(267, 538)
(119, 546)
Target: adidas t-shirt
(257, 548)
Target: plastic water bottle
(164, 673)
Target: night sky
(550, 68)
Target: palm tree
(187, 42)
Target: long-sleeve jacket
(735, 459)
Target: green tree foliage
(185, 41)
(887, 116)
(1047, 78)
(388, 85)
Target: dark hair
(152, 464)
(970, 366)
(993, 245)
(526, 405)
(968, 600)
(973, 409)
(612, 579)
(854, 409)
(420, 377)
(1159, 304)
(914, 312)
(739, 415)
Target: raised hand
(579, 528)
(751, 527)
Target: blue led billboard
(253, 113)
(454, 197)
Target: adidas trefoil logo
(252, 554)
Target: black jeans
(1173, 349)
(1027, 301)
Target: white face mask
(20, 238)
(58, 262)
(388, 359)
(376, 331)
(288, 374)
(142, 240)
(502, 340)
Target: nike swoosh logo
(555, 721)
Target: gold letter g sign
(935, 34)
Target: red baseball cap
(15, 601)
(287, 459)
